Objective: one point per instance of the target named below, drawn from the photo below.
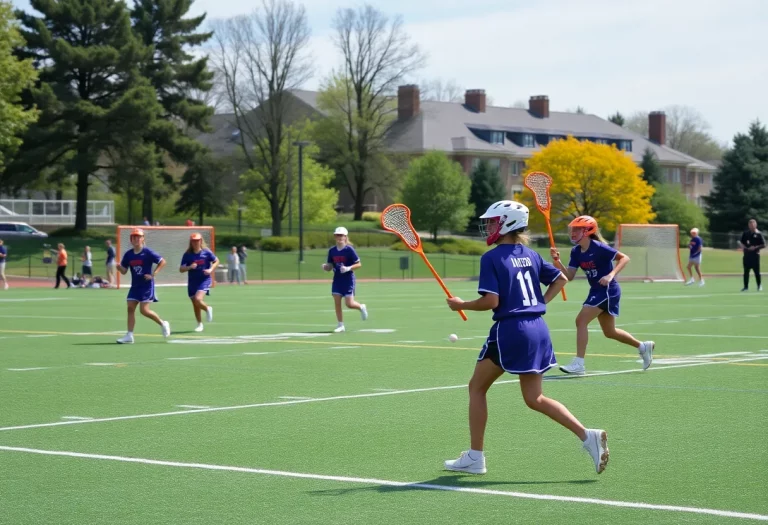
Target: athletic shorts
(205, 286)
(606, 298)
(143, 294)
(695, 260)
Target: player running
(139, 260)
(694, 258)
(593, 255)
(511, 275)
(199, 262)
(343, 261)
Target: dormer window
(528, 140)
(497, 137)
(626, 145)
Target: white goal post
(170, 242)
(654, 250)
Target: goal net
(170, 242)
(654, 250)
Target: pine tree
(651, 169)
(617, 118)
(202, 189)
(91, 93)
(487, 187)
(741, 183)
(176, 76)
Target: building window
(691, 178)
(673, 175)
(475, 163)
(700, 201)
(495, 164)
(601, 141)
(528, 140)
(497, 137)
(515, 168)
(626, 145)
(702, 178)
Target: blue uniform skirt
(520, 345)
(205, 286)
(606, 298)
(143, 294)
(343, 286)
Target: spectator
(752, 241)
(233, 266)
(190, 222)
(242, 253)
(3, 256)
(111, 264)
(87, 264)
(146, 222)
(61, 266)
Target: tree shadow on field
(448, 482)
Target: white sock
(475, 454)
(129, 334)
(578, 361)
(341, 323)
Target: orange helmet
(137, 231)
(195, 237)
(584, 221)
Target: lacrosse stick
(539, 182)
(396, 218)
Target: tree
(437, 192)
(91, 94)
(441, 91)
(590, 179)
(672, 207)
(378, 55)
(319, 199)
(260, 58)
(201, 187)
(687, 131)
(652, 173)
(617, 118)
(15, 76)
(486, 188)
(741, 183)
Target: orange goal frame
(677, 245)
(147, 229)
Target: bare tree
(520, 104)
(378, 55)
(260, 58)
(441, 91)
(216, 97)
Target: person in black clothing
(242, 253)
(752, 241)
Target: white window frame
(499, 135)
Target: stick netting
(170, 243)
(654, 252)
(396, 219)
(539, 184)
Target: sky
(602, 55)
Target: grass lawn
(266, 417)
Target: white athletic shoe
(209, 314)
(689, 282)
(464, 463)
(597, 446)
(647, 354)
(166, 329)
(760, 288)
(199, 327)
(701, 283)
(127, 339)
(574, 368)
(339, 329)
(363, 312)
(5, 286)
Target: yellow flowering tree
(590, 179)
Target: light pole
(239, 212)
(301, 144)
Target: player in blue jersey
(511, 276)
(199, 262)
(139, 261)
(3, 257)
(343, 261)
(595, 257)
(694, 257)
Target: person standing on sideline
(694, 258)
(3, 257)
(61, 266)
(146, 222)
(752, 241)
(111, 264)
(87, 264)
(233, 266)
(242, 253)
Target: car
(19, 230)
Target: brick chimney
(474, 99)
(657, 127)
(408, 101)
(539, 106)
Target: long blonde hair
(597, 236)
(519, 237)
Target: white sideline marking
(391, 483)
(39, 336)
(374, 394)
(102, 364)
(724, 354)
(35, 299)
(192, 406)
(411, 342)
(26, 369)
(341, 347)
(379, 330)
(683, 335)
(383, 389)
(76, 418)
(256, 353)
(294, 397)
(181, 358)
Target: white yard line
(27, 369)
(391, 483)
(192, 406)
(367, 395)
(295, 397)
(77, 418)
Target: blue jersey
(515, 273)
(140, 264)
(204, 260)
(347, 256)
(3, 254)
(695, 246)
(597, 261)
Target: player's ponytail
(519, 237)
(597, 236)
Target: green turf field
(297, 425)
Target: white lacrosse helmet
(501, 218)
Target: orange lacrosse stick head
(396, 218)
(539, 182)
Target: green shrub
(280, 244)
(372, 216)
(101, 234)
(462, 247)
(226, 241)
(427, 246)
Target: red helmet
(584, 221)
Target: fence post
(411, 264)
(262, 265)
(474, 261)
(379, 266)
(29, 271)
(445, 267)
(298, 263)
